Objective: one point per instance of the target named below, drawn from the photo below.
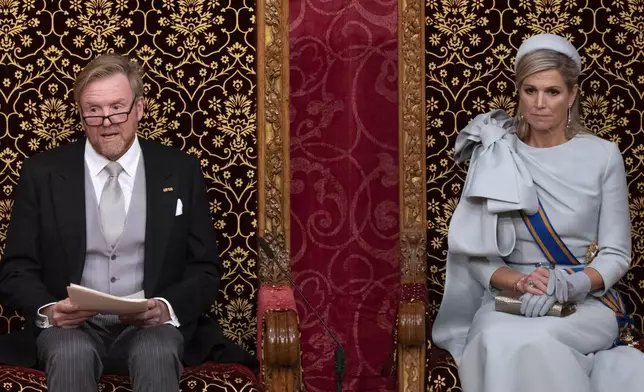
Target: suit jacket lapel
(161, 200)
(68, 190)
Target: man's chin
(111, 151)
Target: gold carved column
(281, 364)
(412, 350)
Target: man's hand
(156, 314)
(64, 314)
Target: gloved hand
(568, 287)
(536, 305)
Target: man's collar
(129, 160)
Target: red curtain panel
(344, 185)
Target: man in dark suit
(124, 216)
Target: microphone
(340, 356)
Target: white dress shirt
(95, 164)
(129, 162)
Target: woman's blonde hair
(107, 65)
(545, 60)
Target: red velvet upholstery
(209, 377)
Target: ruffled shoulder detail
(484, 130)
(497, 181)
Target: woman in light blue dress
(544, 213)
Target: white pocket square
(179, 210)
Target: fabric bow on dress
(498, 181)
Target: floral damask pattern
(470, 47)
(200, 81)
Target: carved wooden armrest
(411, 323)
(411, 338)
(279, 339)
(281, 345)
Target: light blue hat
(548, 41)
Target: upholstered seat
(278, 343)
(205, 378)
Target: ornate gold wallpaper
(470, 47)
(199, 60)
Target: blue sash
(556, 252)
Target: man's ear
(139, 108)
(82, 122)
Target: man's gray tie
(112, 205)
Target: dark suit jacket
(45, 248)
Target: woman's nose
(540, 100)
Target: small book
(97, 301)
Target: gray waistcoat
(117, 271)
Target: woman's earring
(569, 122)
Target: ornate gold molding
(273, 137)
(413, 257)
(411, 60)
(411, 349)
(273, 270)
(411, 122)
(280, 345)
(411, 368)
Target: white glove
(536, 305)
(568, 287)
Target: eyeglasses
(115, 118)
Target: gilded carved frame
(412, 348)
(273, 137)
(281, 363)
(273, 131)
